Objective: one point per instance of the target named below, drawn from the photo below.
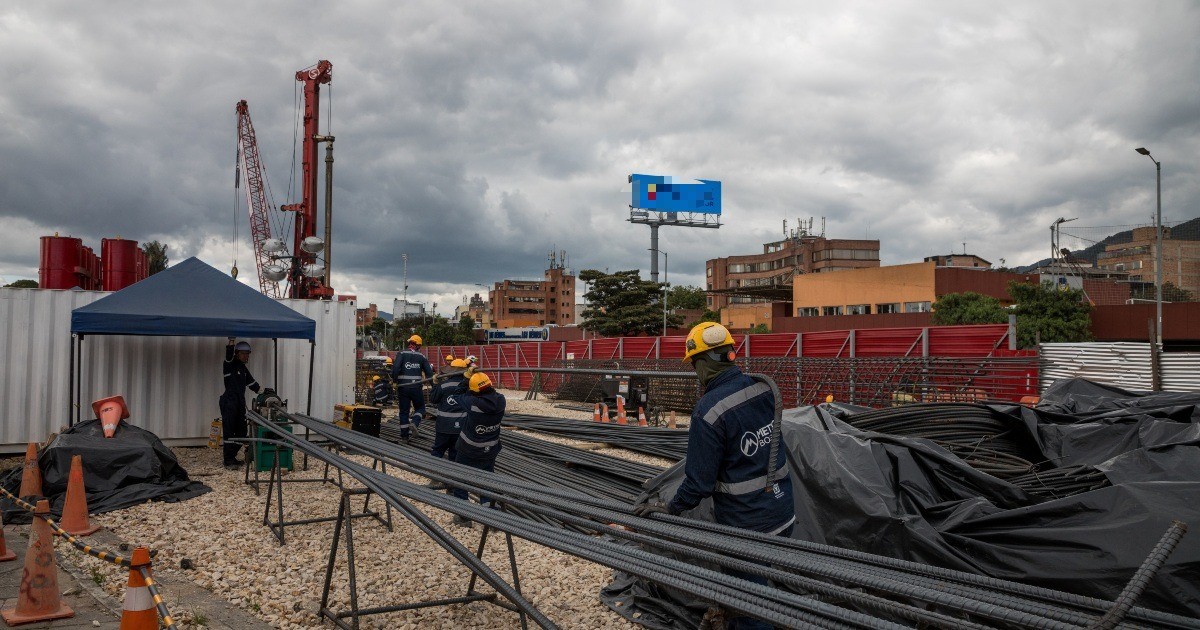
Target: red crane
(251, 165)
(306, 210)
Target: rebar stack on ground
(668, 443)
(973, 432)
(818, 586)
(1057, 483)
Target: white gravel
(236, 556)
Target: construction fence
(877, 367)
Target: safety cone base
(87, 531)
(13, 618)
(11, 555)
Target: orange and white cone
(6, 554)
(75, 510)
(596, 413)
(110, 411)
(642, 417)
(39, 599)
(621, 419)
(139, 612)
(31, 476)
(604, 413)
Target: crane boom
(256, 199)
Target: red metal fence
(868, 366)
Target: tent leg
(275, 376)
(312, 359)
(79, 383)
(71, 386)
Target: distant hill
(1186, 231)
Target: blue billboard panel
(663, 193)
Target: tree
(156, 256)
(622, 304)
(710, 316)
(465, 334)
(759, 329)
(1049, 315)
(22, 284)
(686, 297)
(956, 309)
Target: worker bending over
(381, 391)
(729, 447)
(449, 396)
(479, 440)
(233, 400)
(410, 368)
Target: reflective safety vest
(449, 396)
(481, 429)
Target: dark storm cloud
(475, 137)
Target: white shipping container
(171, 384)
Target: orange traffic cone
(642, 417)
(596, 413)
(671, 420)
(621, 410)
(39, 599)
(31, 478)
(139, 612)
(604, 412)
(75, 511)
(111, 411)
(6, 554)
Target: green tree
(464, 335)
(156, 255)
(759, 329)
(686, 297)
(1047, 314)
(622, 304)
(710, 316)
(23, 284)
(954, 309)
(378, 326)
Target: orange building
(546, 302)
(911, 288)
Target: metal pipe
(328, 140)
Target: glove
(232, 340)
(437, 378)
(470, 372)
(645, 510)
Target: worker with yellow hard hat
(479, 440)
(448, 396)
(381, 391)
(729, 447)
(410, 368)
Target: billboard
(529, 333)
(663, 193)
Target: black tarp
(132, 467)
(911, 499)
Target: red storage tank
(61, 258)
(119, 263)
(91, 270)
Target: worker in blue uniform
(237, 378)
(479, 441)
(448, 396)
(381, 391)
(729, 447)
(409, 369)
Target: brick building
(477, 309)
(780, 261)
(364, 316)
(1181, 259)
(959, 260)
(546, 302)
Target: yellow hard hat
(704, 337)
(388, 360)
(416, 339)
(479, 381)
(449, 358)
(374, 378)
(459, 363)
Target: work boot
(461, 521)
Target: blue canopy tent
(190, 299)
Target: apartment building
(1181, 259)
(477, 308)
(780, 261)
(546, 302)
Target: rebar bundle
(668, 443)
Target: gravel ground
(236, 556)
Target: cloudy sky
(478, 136)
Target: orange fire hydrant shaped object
(110, 411)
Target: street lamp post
(1158, 255)
(664, 301)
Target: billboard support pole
(653, 252)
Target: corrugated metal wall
(1121, 364)
(170, 383)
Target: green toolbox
(264, 454)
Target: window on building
(831, 310)
(808, 311)
(709, 298)
(736, 268)
(710, 272)
(858, 309)
(893, 307)
(916, 307)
